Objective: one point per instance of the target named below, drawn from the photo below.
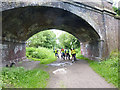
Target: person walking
(56, 53)
(67, 54)
(62, 54)
(73, 53)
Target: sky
(57, 33)
(116, 3)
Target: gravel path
(64, 74)
(78, 75)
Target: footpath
(64, 74)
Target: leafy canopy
(68, 41)
(43, 39)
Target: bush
(42, 54)
(78, 53)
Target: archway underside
(21, 23)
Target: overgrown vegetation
(42, 39)
(44, 55)
(78, 52)
(107, 68)
(117, 10)
(68, 41)
(20, 78)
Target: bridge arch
(79, 11)
(28, 20)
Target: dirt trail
(76, 75)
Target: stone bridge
(93, 23)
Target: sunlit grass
(44, 61)
(20, 78)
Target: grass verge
(21, 78)
(107, 68)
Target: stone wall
(111, 27)
(119, 35)
(12, 52)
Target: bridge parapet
(101, 5)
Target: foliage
(48, 39)
(44, 39)
(68, 41)
(107, 68)
(20, 78)
(117, 10)
(42, 54)
(78, 52)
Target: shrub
(42, 54)
(78, 52)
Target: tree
(68, 41)
(43, 39)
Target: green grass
(44, 61)
(44, 55)
(107, 68)
(82, 57)
(20, 78)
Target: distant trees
(68, 41)
(48, 39)
(43, 39)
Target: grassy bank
(20, 78)
(107, 68)
(44, 55)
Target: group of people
(65, 54)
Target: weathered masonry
(93, 23)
